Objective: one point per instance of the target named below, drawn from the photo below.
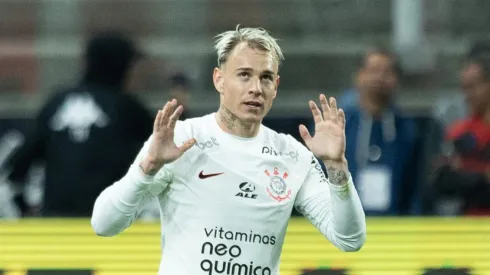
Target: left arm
(332, 204)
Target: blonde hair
(256, 38)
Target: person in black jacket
(86, 135)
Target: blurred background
(81, 80)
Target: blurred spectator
(380, 140)
(465, 174)
(86, 135)
(449, 109)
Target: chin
(252, 118)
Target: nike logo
(205, 176)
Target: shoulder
(192, 126)
(348, 98)
(61, 93)
(56, 100)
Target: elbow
(354, 243)
(100, 228)
(104, 217)
(104, 224)
(108, 224)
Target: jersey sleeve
(119, 204)
(336, 211)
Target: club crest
(277, 188)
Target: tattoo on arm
(336, 176)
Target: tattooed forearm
(336, 175)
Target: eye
(267, 77)
(243, 74)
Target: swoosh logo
(205, 176)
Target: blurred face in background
(137, 76)
(476, 88)
(247, 83)
(377, 77)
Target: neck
(373, 106)
(232, 124)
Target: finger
(317, 116)
(174, 117)
(167, 111)
(333, 109)
(341, 118)
(325, 107)
(305, 135)
(156, 123)
(187, 145)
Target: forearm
(347, 210)
(117, 206)
(341, 217)
(348, 218)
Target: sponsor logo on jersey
(268, 150)
(223, 251)
(247, 190)
(205, 176)
(213, 142)
(277, 188)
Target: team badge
(277, 188)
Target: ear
(218, 80)
(277, 86)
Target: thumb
(187, 145)
(305, 135)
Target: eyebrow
(250, 70)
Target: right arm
(118, 205)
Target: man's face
(247, 83)
(378, 75)
(475, 88)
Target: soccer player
(227, 184)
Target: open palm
(162, 148)
(329, 140)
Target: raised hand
(328, 143)
(162, 149)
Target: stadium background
(40, 43)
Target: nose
(255, 88)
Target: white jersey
(225, 204)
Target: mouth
(253, 104)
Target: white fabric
(236, 219)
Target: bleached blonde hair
(256, 38)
